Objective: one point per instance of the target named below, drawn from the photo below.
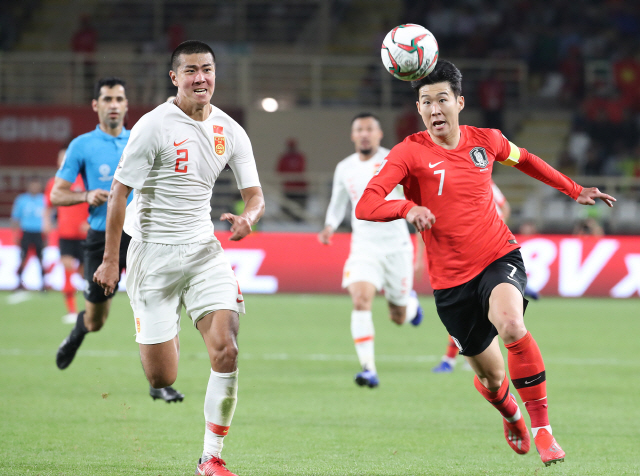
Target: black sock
(80, 327)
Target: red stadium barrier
(557, 265)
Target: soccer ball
(409, 52)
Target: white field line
(413, 359)
(18, 297)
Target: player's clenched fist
(107, 275)
(97, 197)
(421, 218)
(240, 226)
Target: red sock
(69, 292)
(500, 399)
(452, 349)
(528, 376)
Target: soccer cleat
(549, 449)
(443, 368)
(367, 378)
(168, 394)
(70, 318)
(213, 467)
(517, 434)
(69, 347)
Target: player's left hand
(588, 196)
(240, 226)
(107, 276)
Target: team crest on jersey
(479, 157)
(219, 145)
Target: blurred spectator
(491, 93)
(293, 161)
(407, 122)
(577, 147)
(626, 74)
(528, 228)
(588, 226)
(27, 219)
(572, 70)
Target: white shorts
(392, 272)
(163, 278)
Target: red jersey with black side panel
(455, 185)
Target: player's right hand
(107, 276)
(421, 218)
(97, 197)
(324, 236)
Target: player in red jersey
(474, 261)
(72, 230)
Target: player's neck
(197, 112)
(450, 141)
(114, 132)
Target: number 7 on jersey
(441, 173)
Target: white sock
(363, 335)
(535, 430)
(450, 360)
(219, 405)
(412, 308)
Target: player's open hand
(240, 226)
(107, 276)
(324, 236)
(421, 218)
(588, 197)
(97, 197)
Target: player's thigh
(462, 313)
(155, 285)
(211, 284)
(398, 277)
(362, 294)
(501, 288)
(363, 266)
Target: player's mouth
(200, 91)
(438, 125)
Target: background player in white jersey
(381, 254)
(172, 161)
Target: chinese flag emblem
(217, 129)
(218, 145)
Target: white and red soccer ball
(409, 52)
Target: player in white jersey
(173, 158)
(381, 256)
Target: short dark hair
(190, 47)
(364, 115)
(445, 71)
(109, 82)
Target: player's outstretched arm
(325, 235)
(588, 196)
(108, 273)
(253, 211)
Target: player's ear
(94, 105)
(460, 103)
(174, 81)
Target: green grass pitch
(299, 412)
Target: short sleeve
(242, 162)
(16, 210)
(140, 152)
(73, 161)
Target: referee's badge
(479, 157)
(218, 145)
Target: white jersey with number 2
(172, 163)
(349, 181)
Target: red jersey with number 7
(455, 185)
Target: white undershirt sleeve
(338, 203)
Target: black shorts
(31, 239)
(464, 309)
(93, 253)
(73, 248)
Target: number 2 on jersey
(182, 158)
(441, 173)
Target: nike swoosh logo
(239, 300)
(527, 382)
(433, 165)
(176, 144)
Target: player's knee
(161, 380)
(225, 357)
(511, 329)
(94, 325)
(361, 303)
